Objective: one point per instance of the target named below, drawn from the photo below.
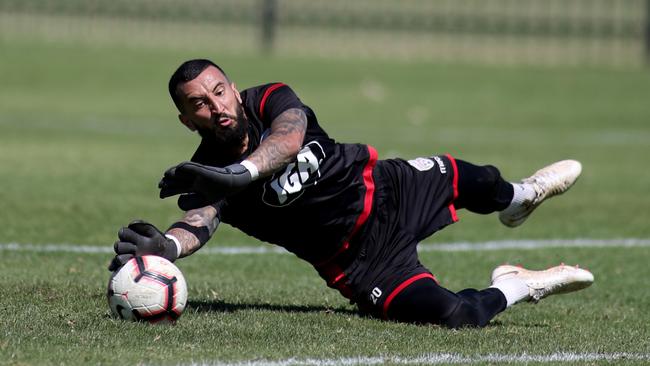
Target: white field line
(442, 358)
(534, 244)
(423, 247)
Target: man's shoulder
(267, 101)
(258, 91)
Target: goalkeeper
(265, 166)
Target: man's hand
(141, 238)
(212, 183)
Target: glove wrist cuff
(251, 169)
(179, 248)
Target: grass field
(85, 134)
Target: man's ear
(234, 89)
(187, 122)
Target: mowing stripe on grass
(442, 358)
(424, 247)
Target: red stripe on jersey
(339, 277)
(266, 95)
(332, 272)
(402, 286)
(452, 209)
(455, 167)
(369, 182)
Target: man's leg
(481, 189)
(425, 302)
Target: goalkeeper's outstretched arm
(195, 229)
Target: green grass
(85, 134)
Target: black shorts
(412, 200)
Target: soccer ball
(147, 288)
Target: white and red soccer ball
(148, 288)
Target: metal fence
(549, 32)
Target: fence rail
(605, 32)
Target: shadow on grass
(224, 307)
(518, 324)
(202, 306)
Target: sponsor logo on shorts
(441, 165)
(422, 164)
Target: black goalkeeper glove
(141, 238)
(206, 184)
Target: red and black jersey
(312, 206)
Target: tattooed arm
(182, 239)
(214, 183)
(283, 144)
(195, 228)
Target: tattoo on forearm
(189, 242)
(204, 216)
(284, 142)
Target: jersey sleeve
(275, 99)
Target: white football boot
(547, 182)
(555, 280)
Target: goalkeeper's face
(212, 105)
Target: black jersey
(312, 206)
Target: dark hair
(188, 70)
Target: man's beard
(228, 142)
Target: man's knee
(491, 176)
(481, 189)
(478, 179)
